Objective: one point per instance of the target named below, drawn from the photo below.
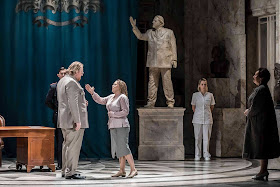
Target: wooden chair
(2, 124)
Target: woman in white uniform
(202, 105)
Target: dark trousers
(59, 142)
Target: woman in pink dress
(117, 105)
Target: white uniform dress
(202, 122)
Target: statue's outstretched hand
(132, 21)
(174, 64)
(89, 89)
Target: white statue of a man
(162, 55)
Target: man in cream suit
(162, 55)
(72, 118)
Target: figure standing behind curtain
(51, 102)
(117, 105)
(202, 105)
(261, 137)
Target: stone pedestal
(228, 122)
(228, 130)
(161, 134)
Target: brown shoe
(132, 174)
(119, 174)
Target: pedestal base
(161, 152)
(161, 134)
(228, 130)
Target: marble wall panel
(252, 55)
(263, 7)
(234, 123)
(220, 87)
(222, 23)
(227, 133)
(226, 18)
(275, 163)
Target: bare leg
(264, 164)
(130, 161)
(122, 164)
(121, 173)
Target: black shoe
(58, 168)
(75, 176)
(63, 175)
(261, 177)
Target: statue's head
(158, 22)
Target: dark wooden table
(35, 145)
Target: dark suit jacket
(51, 102)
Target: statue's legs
(167, 86)
(154, 74)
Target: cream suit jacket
(72, 106)
(161, 47)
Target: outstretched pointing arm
(136, 31)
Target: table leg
(52, 167)
(29, 168)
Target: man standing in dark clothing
(51, 102)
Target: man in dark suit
(51, 102)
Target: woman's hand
(89, 89)
(110, 114)
(246, 112)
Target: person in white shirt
(202, 105)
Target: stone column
(275, 163)
(161, 134)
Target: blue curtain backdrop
(30, 57)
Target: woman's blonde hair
(122, 86)
(74, 68)
(200, 80)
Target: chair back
(2, 121)
(2, 124)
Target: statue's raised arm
(136, 31)
(132, 22)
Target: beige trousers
(154, 74)
(71, 150)
(202, 132)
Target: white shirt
(202, 114)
